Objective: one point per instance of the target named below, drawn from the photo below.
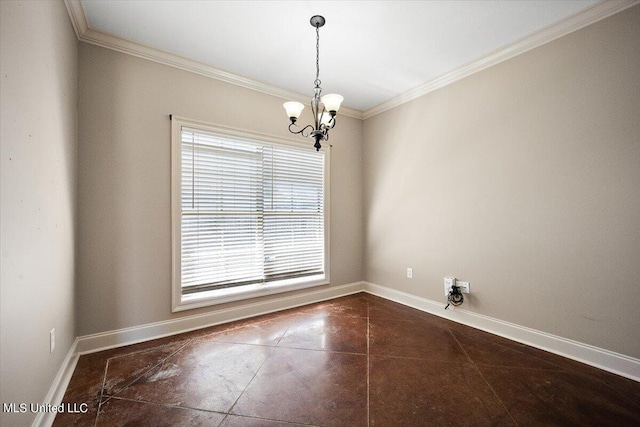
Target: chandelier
(324, 120)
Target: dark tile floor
(353, 361)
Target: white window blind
(251, 212)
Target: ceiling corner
(78, 17)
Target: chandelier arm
(326, 127)
(333, 122)
(301, 131)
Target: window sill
(222, 296)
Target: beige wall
(124, 270)
(523, 179)
(38, 81)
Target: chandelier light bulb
(325, 118)
(294, 109)
(332, 102)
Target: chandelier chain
(317, 82)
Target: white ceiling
(370, 51)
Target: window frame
(194, 300)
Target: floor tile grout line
(461, 346)
(253, 417)
(555, 367)
(223, 420)
(496, 395)
(251, 380)
(282, 336)
(323, 350)
(242, 343)
(168, 405)
(558, 367)
(483, 378)
(277, 345)
(125, 354)
(144, 373)
(247, 320)
(293, 348)
(257, 370)
(104, 380)
(114, 395)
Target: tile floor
(354, 361)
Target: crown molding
(109, 41)
(573, 23)
(78, 18)
(547, 34)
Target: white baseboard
(616, 363)
(59, 386)
(121, 337)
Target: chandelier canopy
(325, 119)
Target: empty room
(305, 213)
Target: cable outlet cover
(464, 287)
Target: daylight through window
(252, 215)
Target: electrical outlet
(409, 273)
(52, 340)
(448, 284)
(464, 287)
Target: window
(248, 215)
